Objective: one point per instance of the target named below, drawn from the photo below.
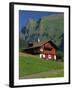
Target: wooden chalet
(46, 49)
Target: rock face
(46, 28)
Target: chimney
(38, 40)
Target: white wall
(4, 44)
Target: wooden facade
(48, 51)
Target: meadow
(31, 66)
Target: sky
(25, 15)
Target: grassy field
(33, 66)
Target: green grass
(29, 64)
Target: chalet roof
(39, 44)
(36, 44)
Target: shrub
(60, 55)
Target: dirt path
(49, 74)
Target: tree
(60, 55)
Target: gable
(50, 45)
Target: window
(46, 48)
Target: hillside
(45, 28)
(31, 66)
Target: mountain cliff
(46, 28)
